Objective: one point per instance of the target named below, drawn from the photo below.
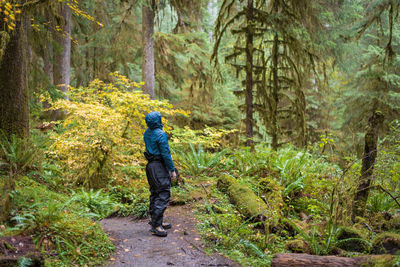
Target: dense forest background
(289, 96)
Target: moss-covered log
(351, 239)
(245, 200)
(386, 243)
(306, 260)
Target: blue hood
(153, 120)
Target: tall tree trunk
(62, 68)
(211, 11)
(368, 161)
(48, 62)
(148, 47)
(301, 120)
(48, 50)
(249, 73)
(275, 90)
(14, 95)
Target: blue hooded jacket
(156, 139)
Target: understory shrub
(100, 140)
(62, 229)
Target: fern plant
(97, 202)
(16, 155)
(197, 161)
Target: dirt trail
(136, 246)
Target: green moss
(394, 223)
(379, 261)
(298, 246)
(351, 239)
(354, 245)
(386, 243)
(360, 220)
(271, 193)
(245, 200)
(224, 182)
(348, 232)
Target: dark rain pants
(160, 184)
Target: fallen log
(245, 200)
(306, 260)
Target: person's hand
(173, 175)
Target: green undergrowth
(61, 227)
(228, 232)
(312, 198)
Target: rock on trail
(136, 246)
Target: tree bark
(14, 95)
(275, 90)
(305, 260)
(249, 73)
(301, 120)
(368, 161)
(148, 48)
(62, 68)
(48, 50)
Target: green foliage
(58, 226)
(197, 161)
(248, 163)
(96, 202)
(133, 200)
(16, 154)
(209, 138)
(24, 262)
(103, 129)
(380, 202)
(231, 234)
(387, 169)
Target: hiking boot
(159, 231)
(166, 226)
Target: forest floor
(136, 246)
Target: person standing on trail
(159, 170)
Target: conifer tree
(62, 56)
(148, 14)
(282, 60)
(14, 95)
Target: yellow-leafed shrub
(101, 138)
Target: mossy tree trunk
(62, 67)
(48, 50)
(301, 118)
(368, 161)
(275, 98)
(62, 55)
(14, 96)
(14, 105)
(249, 73)
(148, 47)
